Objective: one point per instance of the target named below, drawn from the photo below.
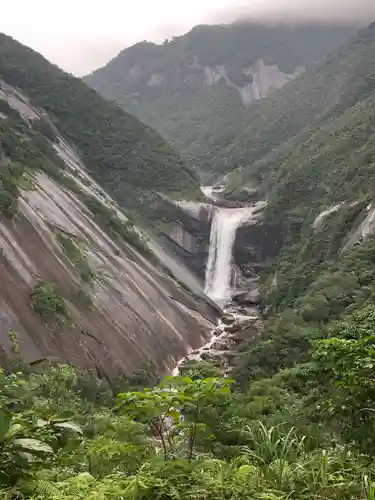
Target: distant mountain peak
(196, 88)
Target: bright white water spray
(219, 272)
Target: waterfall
(218, 285)
(219, 278)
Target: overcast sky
(81, 35)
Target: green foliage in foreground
(65, 435)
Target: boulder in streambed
(228, 319)
(217, 331)
(222, 345)
(247, 298)
(246, 334)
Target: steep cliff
(195, 89)
(79, 281)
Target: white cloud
(80, 35)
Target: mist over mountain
(297, 11)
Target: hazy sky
(81, 35)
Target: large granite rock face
(137, 313)
(182, 238)
(131, 310)
(187, 235)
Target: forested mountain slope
(312, 143)
(296, 419)
(315, 162)
(195, 89)
(311, 150)
(126, 157)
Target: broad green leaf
(66, 414)
(246, 470)
(33, 445)
(69, 425)
(83, 477)
(26, 456)
(175, 414)
(14, 429)
(41, 423)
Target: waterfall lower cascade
(219, 272)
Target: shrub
(47, 302)
(77, 256)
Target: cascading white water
(218, 285)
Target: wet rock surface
(248, 298)
(233, 331)
(130, 312)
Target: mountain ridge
(327, 97)
(195, 88)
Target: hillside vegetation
(313, 142)
(80, 282)
(189, 88)
(309, 148)
(67, 436)
(127, 158)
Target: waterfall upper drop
(219, 271)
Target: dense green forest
(323, 156)
(168, 86)
(316, 125)
(128, 159)
(308, 157)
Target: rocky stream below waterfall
(233, 331)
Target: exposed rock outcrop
(126, 312)
(232, 332)
(263, 79)
(365, 229)
(255, 245)
(186, 232)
